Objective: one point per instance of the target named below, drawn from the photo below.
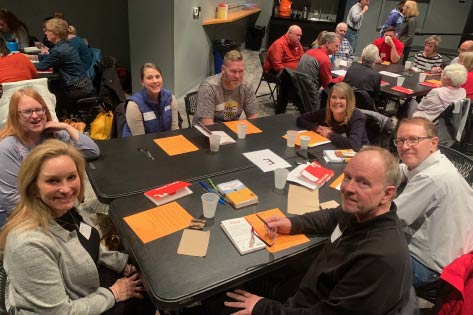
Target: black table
(174, 281)
(124, 170)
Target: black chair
(379, 129)
(191, 105)
(463, 163)
(363, 100)
(268, 78)
(3, 285)
(453, 126)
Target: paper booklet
(168, 193)
(224, 137)
(240, 234)
(338, 156)
(317, 174)
(237, 193)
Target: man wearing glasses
(364, 267)
(436, 203)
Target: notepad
(283, 241)
(238, 231)
(175, 145)
(402, 89)
(158, 222)
(233, 125)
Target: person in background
(45, 41)
(84, 51)
(466, 59)
(354, 20)
(284, 52)
(52, 254)
(362, 75)
(318, 40)
(409, 25)
(464, 47)
(395, 19)
(438, 99)
(13, 29)
(428, 59)
(224, 96)
(339, 121)
(14, 67)
(364, 266)
(152, 109)
(64, 58)
(390, 48)
(344, 52)
(436, 205)
(29, 124)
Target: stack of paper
(338, 156)
(317, 174)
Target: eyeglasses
(27, 113)
(410, 141)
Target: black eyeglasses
(410, 141)
(27, 113)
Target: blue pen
(209, 189)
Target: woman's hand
(126, 288)
(324, 131)
(244, 300)
(52, 126)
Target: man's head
(331, 42)
(294, 34)
(232, 70)
(466, 46)
(390, 32)
(416, 140)
(341, 30)
(454, 75)
(370, 182)
(369, 54)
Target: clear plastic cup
(242, 130)
(422, 77)
(214, 142)
(280, 177)
(291, 138)
(304, 141)
(408, 65)
(400, 81)
(337, 62)
(209, 204)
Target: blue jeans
(421, 274)
(351, 36)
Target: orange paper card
(337, 182)
(283, 241)
(175, 145)
(233, 125)
(155, 223)
(386, 63)
(315, 138)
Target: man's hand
(280, 225)
(244, 300)
(365, 9)
(436, 69)
(389, 41)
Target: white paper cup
(242, 130)
(408, 65)
(214, 142)
(209, 204)
(304, 140)
(422, 77)
(349, 62)
(400, 81)
(280, 177)
(337, 62)
(291, 138)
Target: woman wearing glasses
(29, 124)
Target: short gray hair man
(369, 54)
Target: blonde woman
(340, 121)
(406, 36)
(466, 59)
(428, 59)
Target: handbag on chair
(101, 126)
(76, 124)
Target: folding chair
(268, 78)
(191, 105)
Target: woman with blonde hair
(428, 59)
(410, 11)
(340, 121)
(52, 254)
(466, 59)
(28, 124)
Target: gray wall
(104, 23)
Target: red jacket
(282, 54)
(325, 66)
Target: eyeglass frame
(39, 111)
(416, 140)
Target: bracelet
(115, 293)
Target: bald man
(464, 47)
(345, 51)
(285, 52)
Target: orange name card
(315, 138)
(283, 241)
(175, 145)
(155, 223)
(233, 125)
(337, 182)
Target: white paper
(224, 137)
(339, 72)
(343, 63)
(85, 230)
(296, 177)
(389, 74)
(266, 160)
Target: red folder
(317, 174)
(402, 89)
(169, 192)
(429, 84)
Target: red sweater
(282, 54)
(16, 67)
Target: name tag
(85, 230)
(149, 116)
(220, 107)
(335, 234)
(168, 107)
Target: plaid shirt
(344, 52)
